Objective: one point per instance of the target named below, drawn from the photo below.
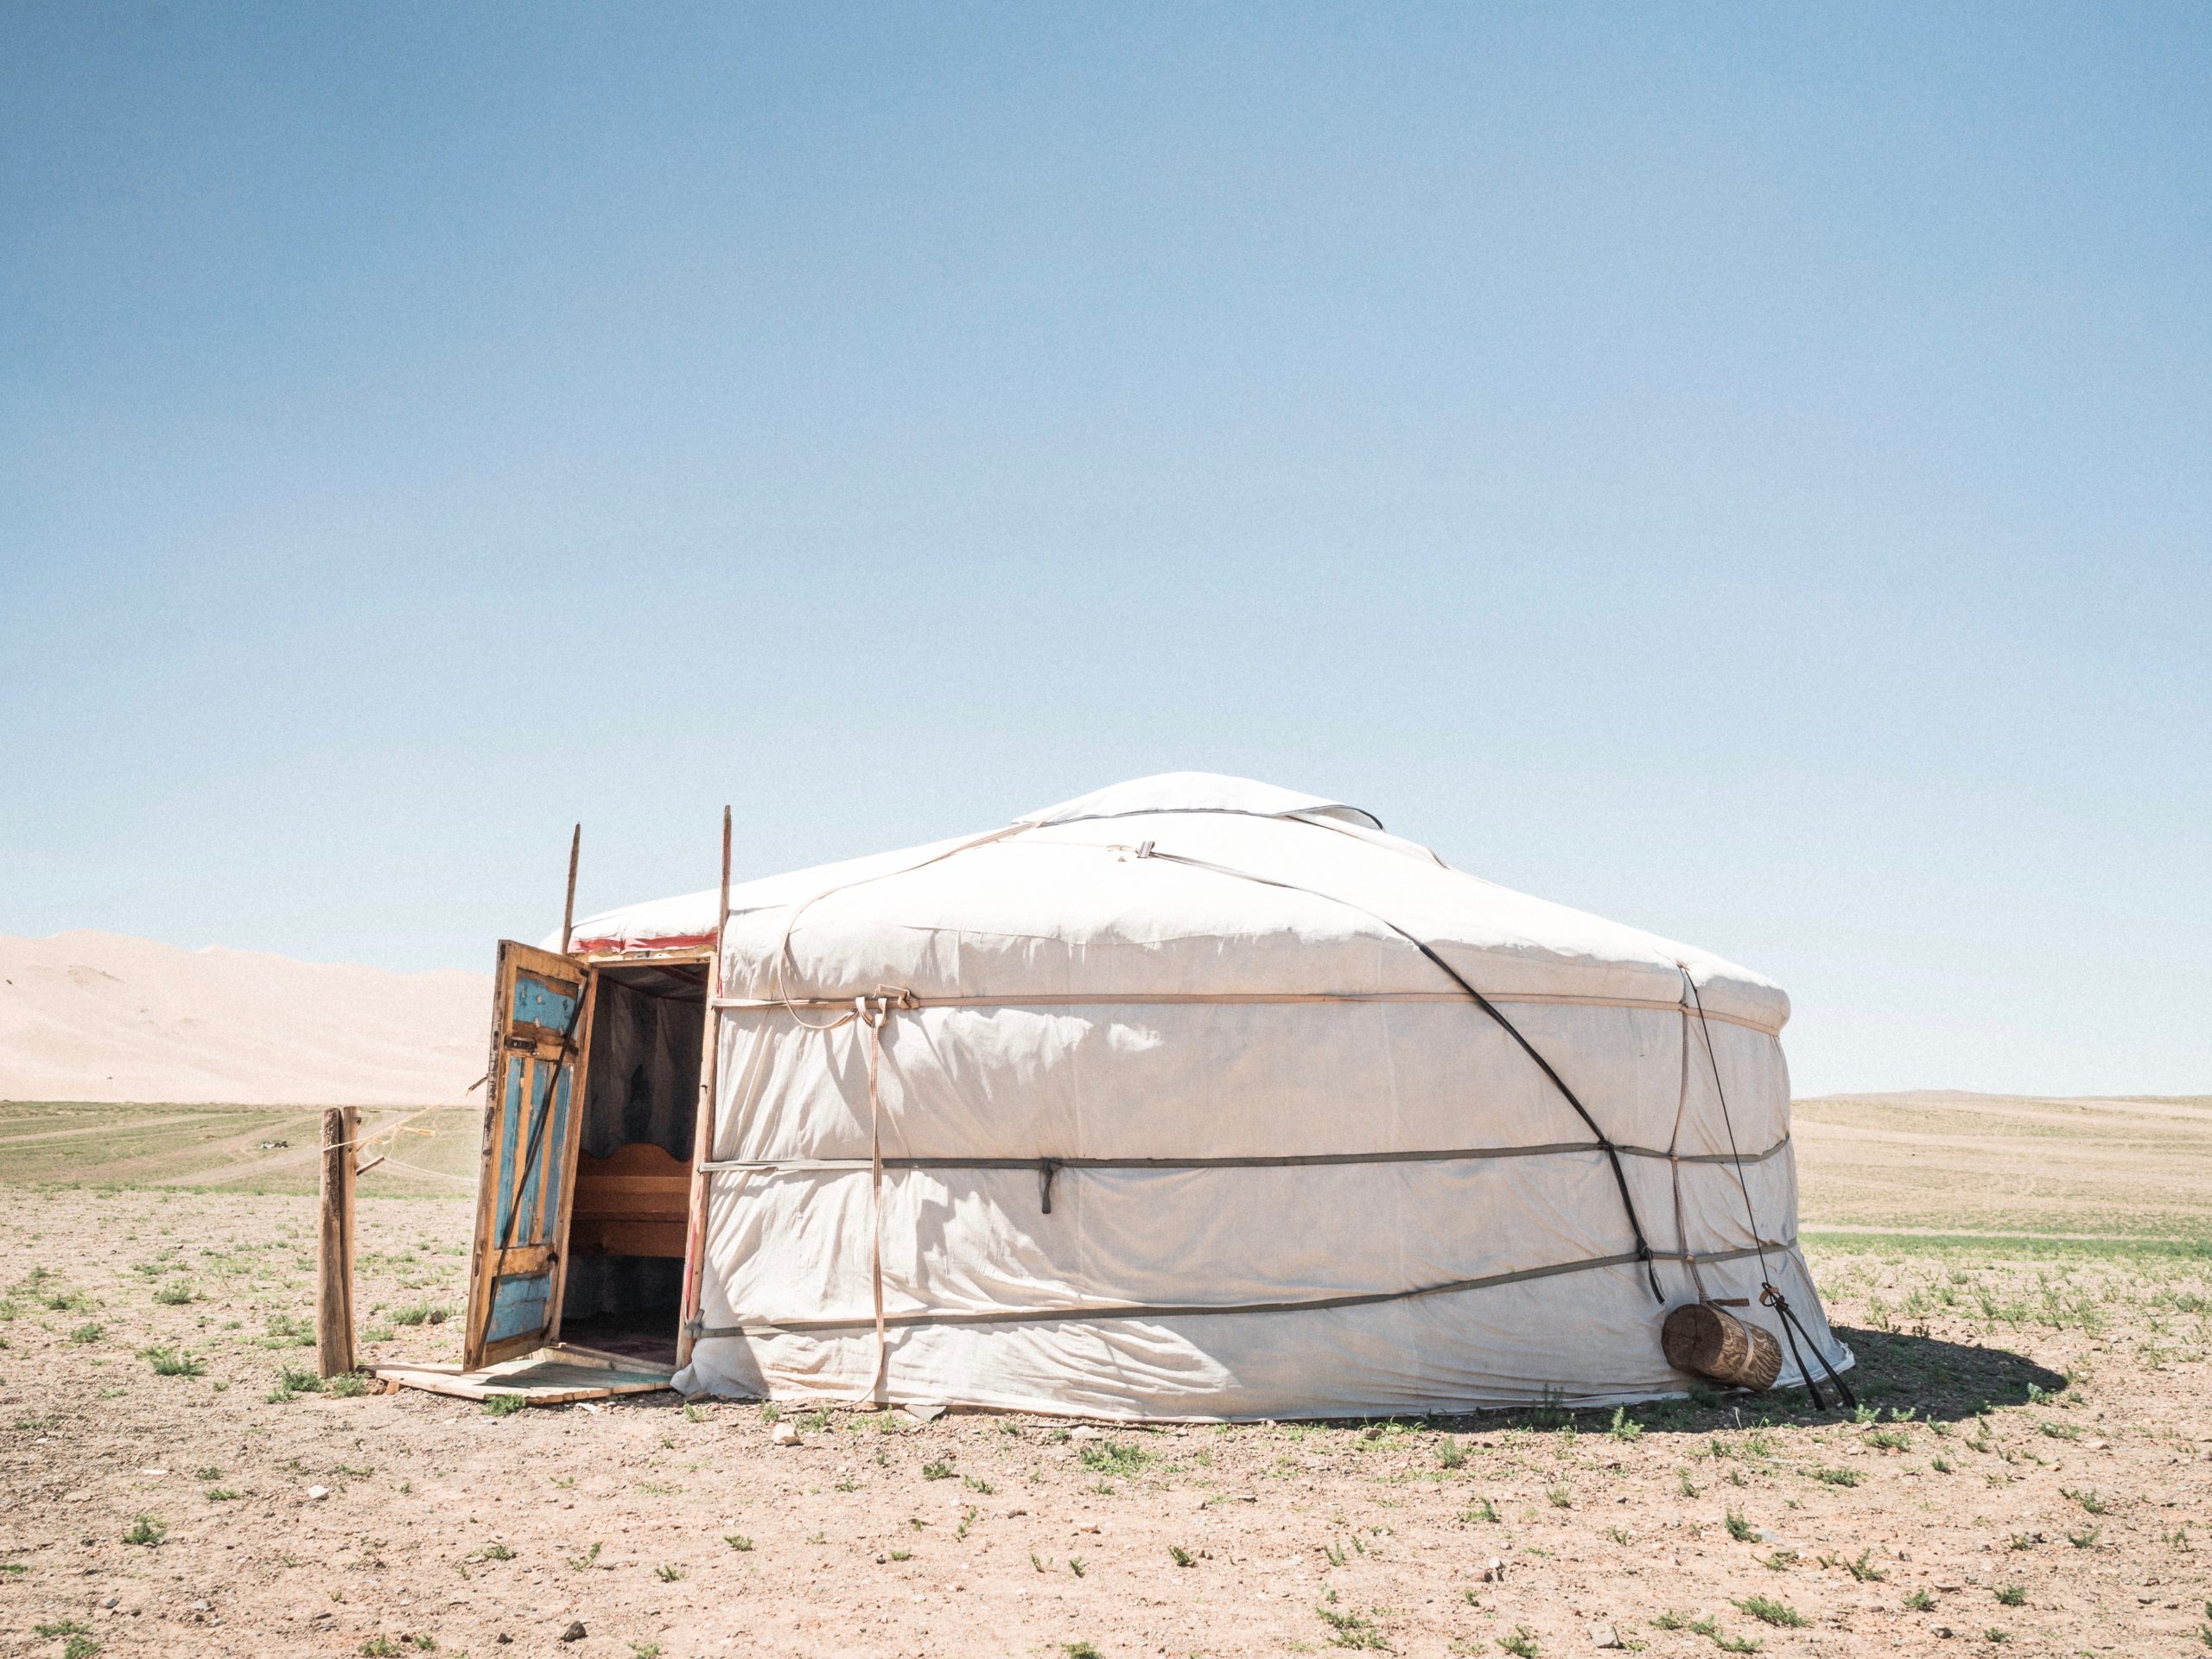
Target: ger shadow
(1929, 1379)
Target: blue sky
(1740, 469)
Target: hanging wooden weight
(1699, 1338)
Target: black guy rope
(1770, 1293)
(1604, 1141)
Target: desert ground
(2026, 1284)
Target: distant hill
(102, 1017)
(1947, 1161)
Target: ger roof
(1181, 884)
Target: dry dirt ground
(2031, 1473)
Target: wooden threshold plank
(549, 1382)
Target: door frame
(694, 1231)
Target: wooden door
(540, 1030)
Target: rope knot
(873, 1011)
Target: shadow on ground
(1923, 1377)
(1945, 1380)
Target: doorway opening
(622, 1285)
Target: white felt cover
(1138, 975)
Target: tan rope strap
(1080, 1313)
(873, 1012)
(873, 1019)
(390, 1132)
(1257, 999)
(1294, 1160)
(1675, 1169)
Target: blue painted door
(541, 1030)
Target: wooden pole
(333, 1298)
(569, 904)
(702, 1137)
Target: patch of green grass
(1768, 1610)
(178, 1294)
(297, 1379)
(1836, 1477)
(219, 1495)
(421, 1314)
(79, 1646)
(173, 1362)
(1114, 1457)
(288, 1331)
(347, 1385)
(1920, 1602)
(1624, 1427)
(1451, 1453)
(1560, 1498)
(976, 1484)
(908, 1555)
(2012, 1595)
(738, 1542)
(1740, 1529)
(668, 1572)
(1520, 1642)
(503, 1405)
(1484, 1513)
(2014, 1246)
(939, 1470)
(2088, 1499)
(88, 1333)
(1081, 1649)
(1349, 1630)
(146, 1530)
(61, 1627)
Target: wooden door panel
(541, 1033)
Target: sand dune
(103, 1017)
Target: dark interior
(625, 1288)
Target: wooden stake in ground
(569, 904)
(333, 1295)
